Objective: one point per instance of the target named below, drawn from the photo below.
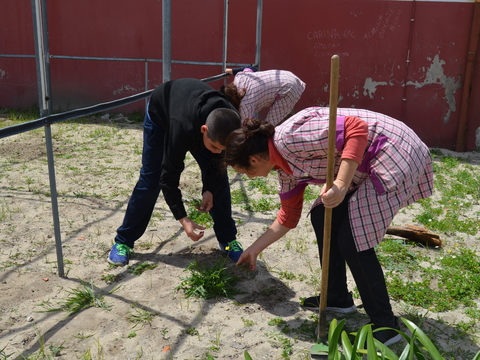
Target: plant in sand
(83, 297)
(194, 214)
(138, 269)
(140, 316)
(209, 281)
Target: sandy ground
(97, 165)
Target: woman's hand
(249, 258)
(335, 195)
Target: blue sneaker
(233, 249)
(119, 255)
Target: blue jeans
(364, 265)
(144, 196)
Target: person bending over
(381, 165)
(184, 115)
(252, 91)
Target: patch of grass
(281, 342)
(208, 282)
(458, 185)
(442, 283)
(18, 116)
(248, 322)
(140, 316)
(264, 204)
(262, 185)
(191, 331)
(83, 297)
(110, 278)
(140, 268)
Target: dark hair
(233, 95)
(251, 139)
(220, 123)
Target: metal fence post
(167, 39)
(259, 32)
(44, 103)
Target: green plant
(283, 343)
(56, 349)
(87, 355)
(201, 218)
(208, 281)
(110, 278)
(262, 185)
(83, 297)
(449, 281)
(82, 336)
(276, 321)
(191, 331)
(3, 354)
(140, 268)
(140, 316)
(264, 204)
(248, 322)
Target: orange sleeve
(291, 210)
(356, 139)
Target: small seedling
(139, 269)
(140, 316)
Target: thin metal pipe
(46, 58)
(43, 74)
(225, 33)
(468, 82)
(407, 61)
(185, 62)
(16, 56)
(54, 200)
(146, 83)
(259, 33)
(167, 39)
(72, 114)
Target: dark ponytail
(233, 95)
(251, 139)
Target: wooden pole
(334, 74)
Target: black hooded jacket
(181, 107)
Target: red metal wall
(373, 38)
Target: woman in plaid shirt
(380, 166)
(252, 91)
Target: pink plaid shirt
(277, 89)
(396, 168)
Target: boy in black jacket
(182, 115)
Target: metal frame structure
(42, 56)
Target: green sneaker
(233, 249)
(119, 255)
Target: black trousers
(364, 265)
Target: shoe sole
(350, 310)
(393, 340)
(115, 263)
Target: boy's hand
(207, 202)
(189, 226)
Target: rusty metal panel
(403, 58)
